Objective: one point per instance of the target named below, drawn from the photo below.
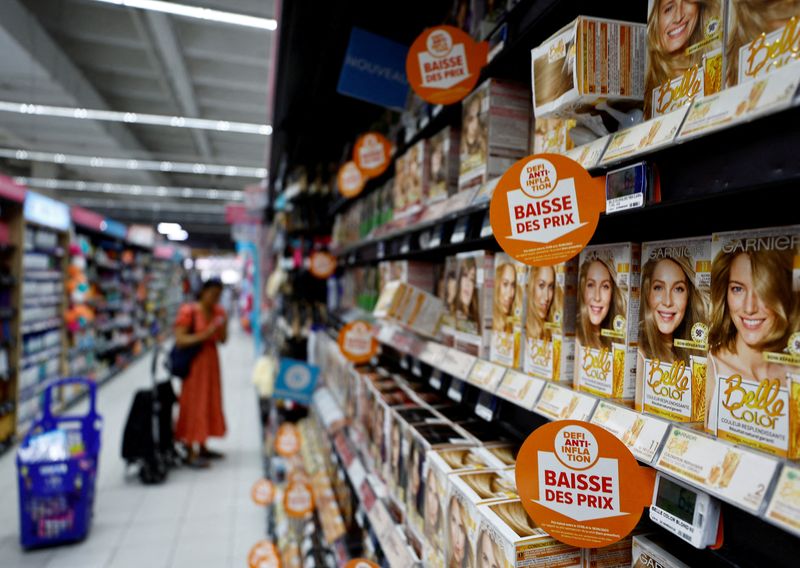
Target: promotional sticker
(350, 180)
(322, 264)
(298, 500)
(263, 492)
(357, 342)
(444, 63)
(581, 485)
(545, 209)
(372, 154)
(361, 563)
(264, 554)
(287, 441)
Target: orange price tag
(361, 563)
(372, 154)
(264, 555)
(545, 209)
(298, 501)
(287, 440)
(322, 264)
(581, 484)
(263, 492)
(350, 180)
(357, 343)
(444, 63)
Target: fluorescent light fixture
(126, 189)
(137, 118)
(178, 235)
(133, 164)
(198, 13)
(169, 228)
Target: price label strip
(642, 434)
(521, 389)
(457, 364)
(486, 375)
(486, 406)
(456, 390)
(562, 403)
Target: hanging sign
(581, 485)
(298, 500)
(357, 343)
(372, 154)
(296, 381)
(264, 554)
(322, 264)
(361, 563)
(545, 209)
(350, 180)
(444, 63)
(287, 440)
(263, 492)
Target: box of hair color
(549, 331)
(443, 150)
(650, 551)
(674, 317)
(473, 305)
(607, 322)
(508, 310)
(753, 383)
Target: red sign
(322, 264)
(444, 63)
(287, 440)
(86, 218)
(263, 492)
(298, 501)
(357, 343)
(350, 180)
(372, 154)
(361, 563)
(11, 190)
(264, 554)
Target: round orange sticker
(582, 485)
(263, 555)
(372, 154)
(287, 440)
(350, 180)
(298, 500)
(444, 63)
(361, 563)
(545, 209)
(322, 264)
(357, 343)
(263, 492)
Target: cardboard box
(649, 551)
(394, 468)
(443, 150)
(448, 294)
(550, 312)
(674, 317)
(755, 316)
(551, 135)
(607, 321)
(473, 309)
(508, 310)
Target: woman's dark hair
(208, 284)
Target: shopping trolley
(56, 498)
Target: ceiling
(94, 55)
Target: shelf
(44, 325)
(43, 275)
(56, 252)
(40, 352)
(43, 302)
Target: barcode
(685, 536)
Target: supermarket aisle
(198, 518)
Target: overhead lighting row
(197, 12)
(137, 118)
(133, 164)
(127, 189)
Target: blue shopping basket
(56, 498)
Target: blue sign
(296, 381)
(374, 70)
(46, 211)
(114, 228)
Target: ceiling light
(178, 235)
(123, 189)
(198, 13)
(130, 164)
(169, 228)
(130, 117)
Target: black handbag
(179, 361)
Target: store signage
(357, 342)
(263, 492)
(255, 196)
(298, 501)
(581, 485)
(372, 154)
(11, 190)
(287, 440)
(264, 554)
(545, 209)
(142, 235)
(350, 180)
(444, 64)
(373, 70)
(114, 228)
(86, 218)
(46, 212)
(296, 381)
(361, 563)
(322, 264)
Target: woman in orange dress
(200, 416)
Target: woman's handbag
(180, 359)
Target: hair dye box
(508, 310)
(589, 61)
(674, 315)
(551, 135)
(753, 385)
(494, 132)
(410, 184)
(448, 292)
(607, 321)
(443, 153)
(550, 312)
(648, 551)
(508, 538)
(473, 306)
(617, 555)
(760, 38)
(684, 53)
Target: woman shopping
(200, 417)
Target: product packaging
(760, 38)
(650, 551)
(617, 555)
(449, 294)
(684, 44)
(396, 455)
(753, 385)
(674, 317)
(494, 132)
(550, 311)
(508, 310)
(607, 321)
(473, 307)
(442, 154)
(591, 60)
(551, 135)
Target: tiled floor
(197, 518)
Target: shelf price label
(357, 342)
(640, 433)
(521, 389)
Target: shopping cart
(56, 498)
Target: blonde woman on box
(600, 300)
(459, 554)
(467, 306)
